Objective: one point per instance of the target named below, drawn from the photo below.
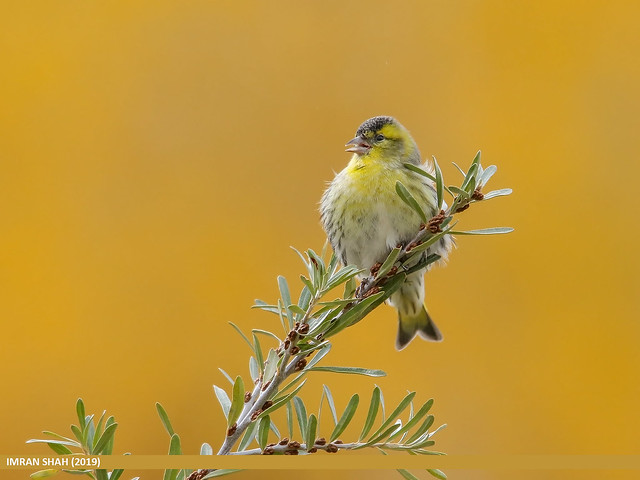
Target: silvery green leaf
(459, 191)
(306, 262)
(263, 431)
(379, 436)
(337, 302)
(349, 288)
(253, 369)
(359, 311)
(88, 430)
(437, 473)
(420, 171)
(487, 174)
(274, 429)
(296, 309)
(409, 199)
(206, 449)
(439, 185)
(116, 474)
(305, 298)
(281, 317)
(223, 399)
(429, 241)
(258, 351)
(237, 329)
(342, 276)
(404, 403)
(220, 472)
(60, 437)
(267, 333)
(414, 419)
(351, 370)
(99, 428)
(332, 406)
(282, 400)
(226, 375)
(426, 424)
(262, 305)
(498, 193)
(44, 473)
(318, 356)
(476, 159)
(470, 177)
(374, 405)
(346, 417)
(77, 433)
(237, 401)
(407, 474)
(301, 415)
(58, 442)
(286, 297)
(249, 435)
(312, 426)
(59, 449)
(80, 412)
(104, 439)
(290, 419)
(271, 366)
(459, 169)
(389, 262)
(485, 231)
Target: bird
(364, 217)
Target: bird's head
(384, 138)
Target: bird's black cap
(374, 124)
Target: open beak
(358, 145)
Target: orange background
(159, 158)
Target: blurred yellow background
(159, 158)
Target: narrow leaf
(59, 449)
(44, 473)
(226, 375)
(237, 401)
(258, 351)
(164, 418)
(237, 329)
(223, 398)
(346, 417)
(398, 410)
(485, 231)
(437, 473)
(407, 474)
(286, 297)
(263, 431)
(487, 174)
(332, 406)
(374, 405)
(105, 438)
(271, 366)
(253, 369)
(206, 449)
(290, 419)
(498, 193)
(409, 199)
(301, 414)
(351, 370)
(249, 435)
(312, 426)
(219, 473)
(80, 412)
(439, 184)
(278, 402)
(389, 262)
(420, 171)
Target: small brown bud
(286, 344)
(296, 325)
(247, 396)
(255, 414)
(393, 271)
(331, 448)
(267, 404)
(304, 328)
(312, 450)
(477, 194)
(291, 452)
(268, 451)
(337, 442)
(292, 335)
(232, 429)
(319, 336)
(373, 291)
(295, 349)
(321, 441)
(301, 364)
(463, 208)
(284, 441)
(264, 387)
(293, 444)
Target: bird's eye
(379, 137)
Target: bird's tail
(420, 324)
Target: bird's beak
(358, 145)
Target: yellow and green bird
(365, 218)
